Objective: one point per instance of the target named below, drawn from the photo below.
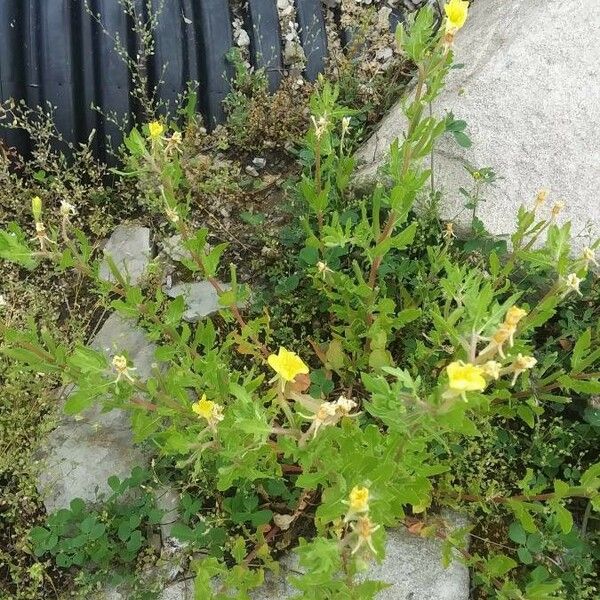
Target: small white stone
(243, 39)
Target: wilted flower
(589, 256)
(465, 377)
(449, 231)
(345, 125)
(522, 364)
(573, 283)
(502, 335)
(323, 269)
(514, 315)
(67, 209)
(174, 143)
(364, 530)
(492, 369)
(456, 15)
(288, 365)
(557, 209)
(172, 215)
(320, 125)
(325, 416)
(41, 235)
(119, 363)
(541, 198)
(344, 406)
(208, 410)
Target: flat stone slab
(200, 297)
(130, 249)
(530, 94)
(84, 451)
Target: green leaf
(124, 530)
(78, 401)
(516, 533)
(77, 506)
(407, 316)
(526, 414)
(14, 248)
(581, 347)
(591, 477)
(499, 565)
(261, 517)
(523, 515)
(564, 518)
(135, 541)
(525, 556)
(581, 386)
(210, 261)
(182, 532)
(462, 139)
(87, 360)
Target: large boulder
(530, 94)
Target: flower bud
(36, 208)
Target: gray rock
(200, 298)
(174, 249)
(252, 171)
(180, 590)
(129, 247)
(167, 499)
(119, 335)
(84, 451)
(530, 94)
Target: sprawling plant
(366, 444)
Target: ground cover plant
(378, 370)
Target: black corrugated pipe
(55, 52)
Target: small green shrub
(107, 539)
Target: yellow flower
(456, 15)
(514, 315)
(155, 129)
(288, 365)
(359, 499)
(211, 411)
(465, 377)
